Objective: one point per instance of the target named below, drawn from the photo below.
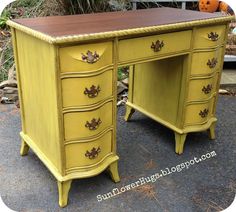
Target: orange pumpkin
(223, 7)
(208, 5)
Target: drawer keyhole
(204, 113)
(157, 46)
(93, 91)
(93, 153)
(93, 124)
(207, 89)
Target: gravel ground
(145, 148)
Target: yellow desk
(67, 73)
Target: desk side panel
(37, 73)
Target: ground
(145, 148)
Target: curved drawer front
(202, 88)
(151, 46)
(206, 62)
(199, 113)
(88, 153)
(88, 123)
(209, 36)
(85, 57)
(80, 91)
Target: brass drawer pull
(94, 124)
(207, 89)
(212, 63)
(213, 36)
(93, 92)
(90, 57)
(93, 153)
(157, 46)
(204, 113)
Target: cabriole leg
(24, 148)
(129, 112)
(211, 131)
(179, 142)
(63, 190)
(113, 170)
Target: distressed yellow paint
(70, 84)
(157, 85)
(169, 88)
(71, 60)
(200, 60)
(36, 64)
(164, 85)
(197, 85)
(201, 39)
(141, 47)
(75, 122)
(55, 109)
(75, 152)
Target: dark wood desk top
(111, 21)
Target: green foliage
(18, 9)
(3, 19)
(25, 3)
(122, 73)
(92, 6)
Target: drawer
(80, 91)
(202, 88)
(87, 123)
(209, 36)
(85, 57)
(88, 153)
(199, 113)
(152, 46)
(206, 62)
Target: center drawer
(80, 91)
(87, 123)
(153, 46)
(88, 153)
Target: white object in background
(232, 207)
(234, 31)
(3, 207)
(4, 3)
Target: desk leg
(63, 190)
(113, 170)
(211, 131)
(129, 112)
(179, 142)
(24, 148)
